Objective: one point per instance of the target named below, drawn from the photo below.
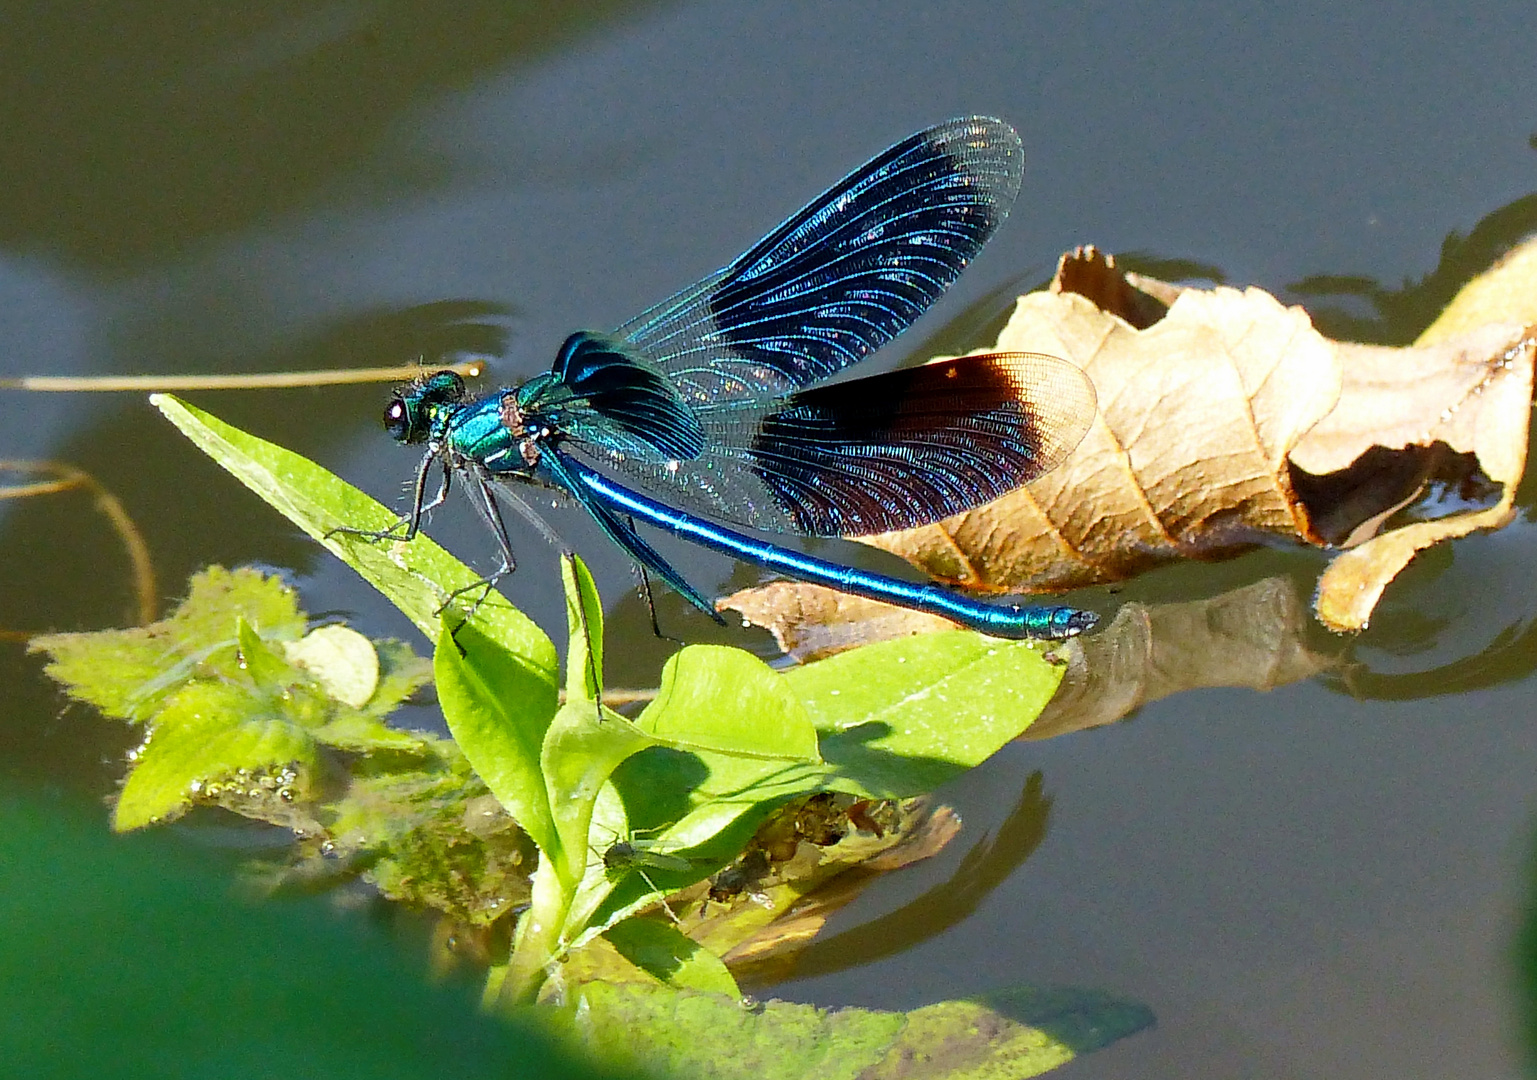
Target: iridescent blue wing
(842, 277)
(889, 452)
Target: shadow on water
(128, 137)
(1085, 1020)
(987, 865)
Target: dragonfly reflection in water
(699, 403)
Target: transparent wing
(842, 277)
(893, 451)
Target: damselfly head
(408, 417)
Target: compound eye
(397, 420)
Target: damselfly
(702, 403)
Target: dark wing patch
(889, 452)
(914, 446)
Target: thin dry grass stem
(69, 478)
(272, 380)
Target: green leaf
(1017, 1033)
(584, 620)
(896, 719)
(906, 716)
(581, 751)
(341, 660)
(498, 707)
(128, 674)
(726, 700)
(418, 577)
(206, 735)
(705, 806)
(671, 956)
(614, 888)
(261, 662)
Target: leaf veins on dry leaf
(1226, 420)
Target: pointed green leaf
(896, 719)
(349, 729)
(903, 717)
(498, 708)
(709, 801)
(582, 749)
(584, 619)
(418, 577)
(260, 661)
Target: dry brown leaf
(1187, 458)
(810, 621)
(1231, 421)
(1482, 383)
